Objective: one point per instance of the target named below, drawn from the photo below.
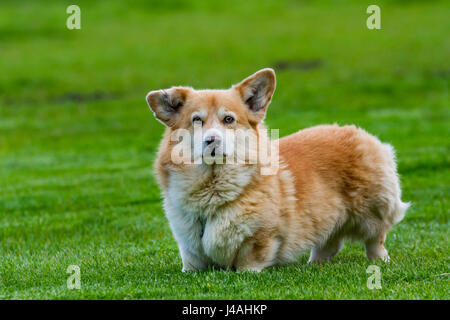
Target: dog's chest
(201, 193)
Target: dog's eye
(228, 120)
(197, 120)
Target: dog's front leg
(255, 255)
(187, 230)
(191, 261)
(222, 238)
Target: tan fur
(333, 183)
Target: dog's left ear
(256, 92)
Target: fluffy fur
(332, 183)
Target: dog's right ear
(166, 104)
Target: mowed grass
(77, 140)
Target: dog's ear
(256, 91)
(166, 104)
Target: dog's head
(212, 116)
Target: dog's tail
(400, 211)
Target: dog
(330, 183)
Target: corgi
(330, 182)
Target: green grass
(77, 140)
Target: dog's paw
(256, 269)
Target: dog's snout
(211, 139)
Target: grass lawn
(77, 140)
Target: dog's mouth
(214, 156)
(213, 150)
(214, 153)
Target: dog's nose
(210, 140)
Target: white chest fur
(202, 222)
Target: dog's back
(352, 176)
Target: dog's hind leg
(375, 243)
(326, 251)
(375, 248)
